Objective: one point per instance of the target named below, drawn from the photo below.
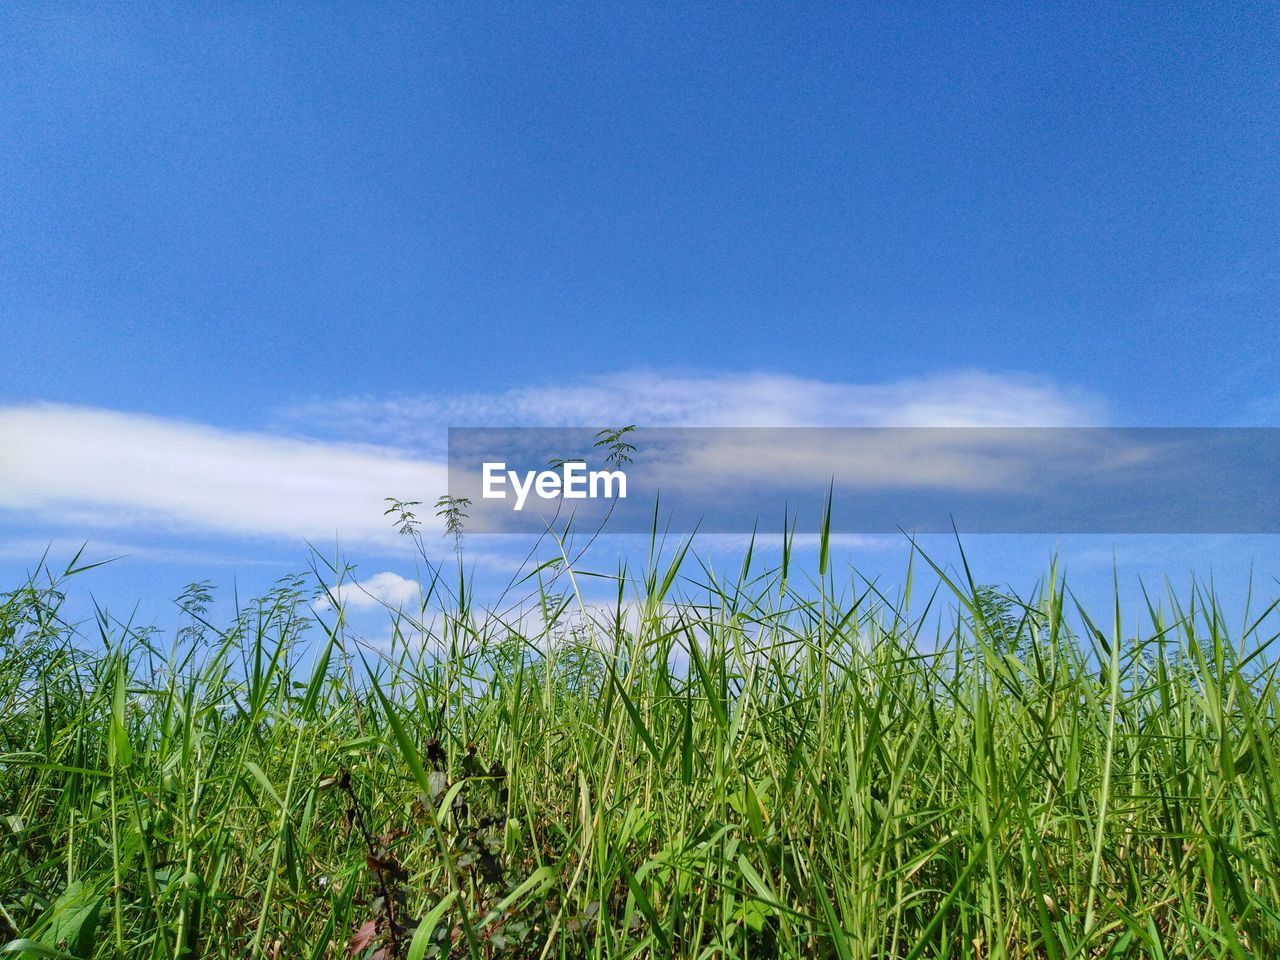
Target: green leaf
(542, 878)
(75, 917)
(30, 948)
(422, 936)
(261, 777)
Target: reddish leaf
(363, 938)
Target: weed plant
(759, 764)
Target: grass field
(756, 763)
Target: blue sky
(242, 247)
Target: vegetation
(757, 765)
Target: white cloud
(381, 589)
(988, 459)
(82, 466)
(966, 398)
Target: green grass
(718, 766)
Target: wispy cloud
(83, 469)
(961, 399)
(94, 468)
(1260, 412)
(59, 548)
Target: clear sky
(278, 231)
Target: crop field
(749, 763)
